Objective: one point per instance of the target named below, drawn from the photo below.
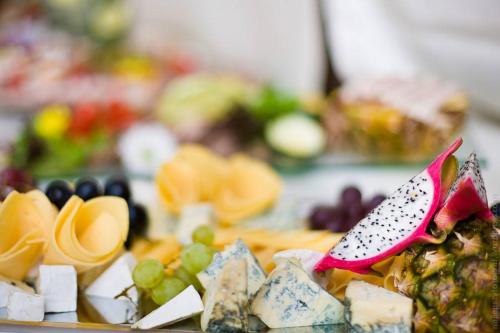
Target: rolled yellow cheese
(88, 234)
(211, 168)
(24, 222)
(178, 184)
(194, 175)
(249, 188)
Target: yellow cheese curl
(250, 187)
(25, 220)
(238, 188)
(88, 234)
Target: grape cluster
(149, 274)
(59, 192)
(344, 215)
(12, 179)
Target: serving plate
(190, 327)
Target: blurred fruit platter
(79, 254)
(91, 101)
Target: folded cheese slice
(88, 234)
(24, 221)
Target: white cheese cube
(193, 216)
(58, 286)
(61, 317)
(25, 307)
(370, 308)
(289, 298)
(306, 259)
(116, 280)
(3, 313)
(185, 305)
(238, 250)
(5, 290)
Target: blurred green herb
(271, 103)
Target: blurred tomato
(118, 116)
(85, 118)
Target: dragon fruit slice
(467, 197)
(398, 221)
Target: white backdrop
(278, 40)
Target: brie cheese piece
(25, 306)
(185, 305)
(289, 298)
(119, 310)
(370, 308)
(238, 250)
(115, 288)
(58, 286)
(116, 280)
(226, 300)
(193, 216)
(306, 259)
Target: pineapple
(454, 284)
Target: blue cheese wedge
(306, 259)
(370, 308)
(193, 216)
(115, 288)
(289, 298)
(58, 286)
(238, 250)
(226, 300)
(24, 306)
(185, 305)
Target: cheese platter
(79, 257)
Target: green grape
(182, 274)
(196, 257)
(167, 289)
(148, 273)
(204, 234)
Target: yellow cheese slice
(211, 168)
(46, 209)
(22, 239)
(88, 234)
(17, 265)
(249, 188)
(178, 183)
(165, 250)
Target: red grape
(350, 195)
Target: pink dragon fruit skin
(466, 197)
(396, 223)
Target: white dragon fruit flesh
(467, 197)
(398, 221)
